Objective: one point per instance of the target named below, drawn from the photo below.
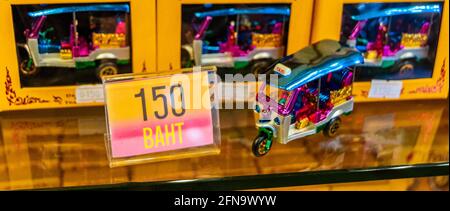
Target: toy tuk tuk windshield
(275, 95)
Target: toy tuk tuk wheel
(107, 68)
(406, 66)
(27, 68)
(261, 145)
(332, 127)
(258, 66)
(186, 60)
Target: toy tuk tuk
(260, 48)
(100, 46)
(314, 88)
(399, 44)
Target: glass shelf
(64, 149)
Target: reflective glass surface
(64, 148)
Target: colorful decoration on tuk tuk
(339, 96)
(266, 40)
(302, 123)
(65, 53)
(371, 55)
(108, 40)
(414, 40)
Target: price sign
(157, 114)
(385, 89)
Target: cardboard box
(176, 33)
(64, 68)
(411, 48)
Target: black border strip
(282, 180)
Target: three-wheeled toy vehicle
(401, 36)
(102, 47)
(259, 47)
(313, 89)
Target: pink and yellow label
(149, 115)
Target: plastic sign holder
(161, 116)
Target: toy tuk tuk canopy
(88, 8)
(315, 61)
(246, 11)
(415, 9)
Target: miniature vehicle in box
(395, 38)
(314, 89)
(394, 48)
(255, 37)
(55, 51)
(103, 46)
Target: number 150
(163, 97)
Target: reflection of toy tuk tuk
(341, 151)
(262, 50)
(103, 50)
(398, 50)
(314, 90)
(378, 147)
